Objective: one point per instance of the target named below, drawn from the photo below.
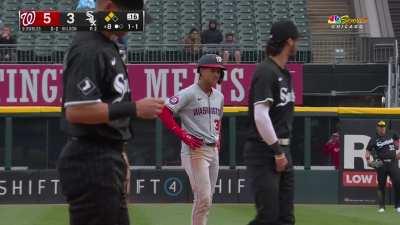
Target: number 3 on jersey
(217, 124)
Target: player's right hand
(149, 108)
(192, 141)
(367, 156)
(397, 155)
(281, 162)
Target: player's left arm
(396, 140)
(369, 149)
(174, 105)
(220, 124)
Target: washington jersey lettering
(200, 114)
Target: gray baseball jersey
(200, 114)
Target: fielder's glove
(377, 163)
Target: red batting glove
(169, 121)
(191, 141)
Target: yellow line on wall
(227, 109)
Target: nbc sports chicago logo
(346, 22)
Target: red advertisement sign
(358, 181)
(361, 179)
(40, 85)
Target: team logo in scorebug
(28, 18)
(90, 18)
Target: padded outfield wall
(32, 138)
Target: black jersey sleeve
(82, 81)
(371, 145)
(263, 85)
(395, 136)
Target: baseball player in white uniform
(200, 107)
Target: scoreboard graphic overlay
(30, 20)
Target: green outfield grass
(221, 214)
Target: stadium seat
(171, 28)
(136, 38)
(29, 4)
(65, 5)
(10, 17)
(189, 4)
(241, 4)
(172, 37)
(246, 33)
(229, 28)
(172, 4)
(10, 5)
(47, 5)
(9, 12)
(227, 6)
(44, 44)
(152, 4)
(189, 15)
(279, 17)
(171, 15)
(250, 21)
(62, 40)
(25, 41)
(261, 4)
(186, 27)
(25, 47)
(209, 10)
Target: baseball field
(221, 214)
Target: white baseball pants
(201, 166)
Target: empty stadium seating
(394, 7)
(318, 12)
(250, 21)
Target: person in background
(6, 38)
(230, 48)
(381, 155)
(192, 41)
(211, 37)
(332, 148)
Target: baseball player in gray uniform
(200, 107)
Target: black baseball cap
(381, 123)
(130, 4)
(283, 30)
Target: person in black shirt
(266, 151)
(96, 116)
(212, 35)
(382, 148)
(211, 38)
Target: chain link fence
(320, 48)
